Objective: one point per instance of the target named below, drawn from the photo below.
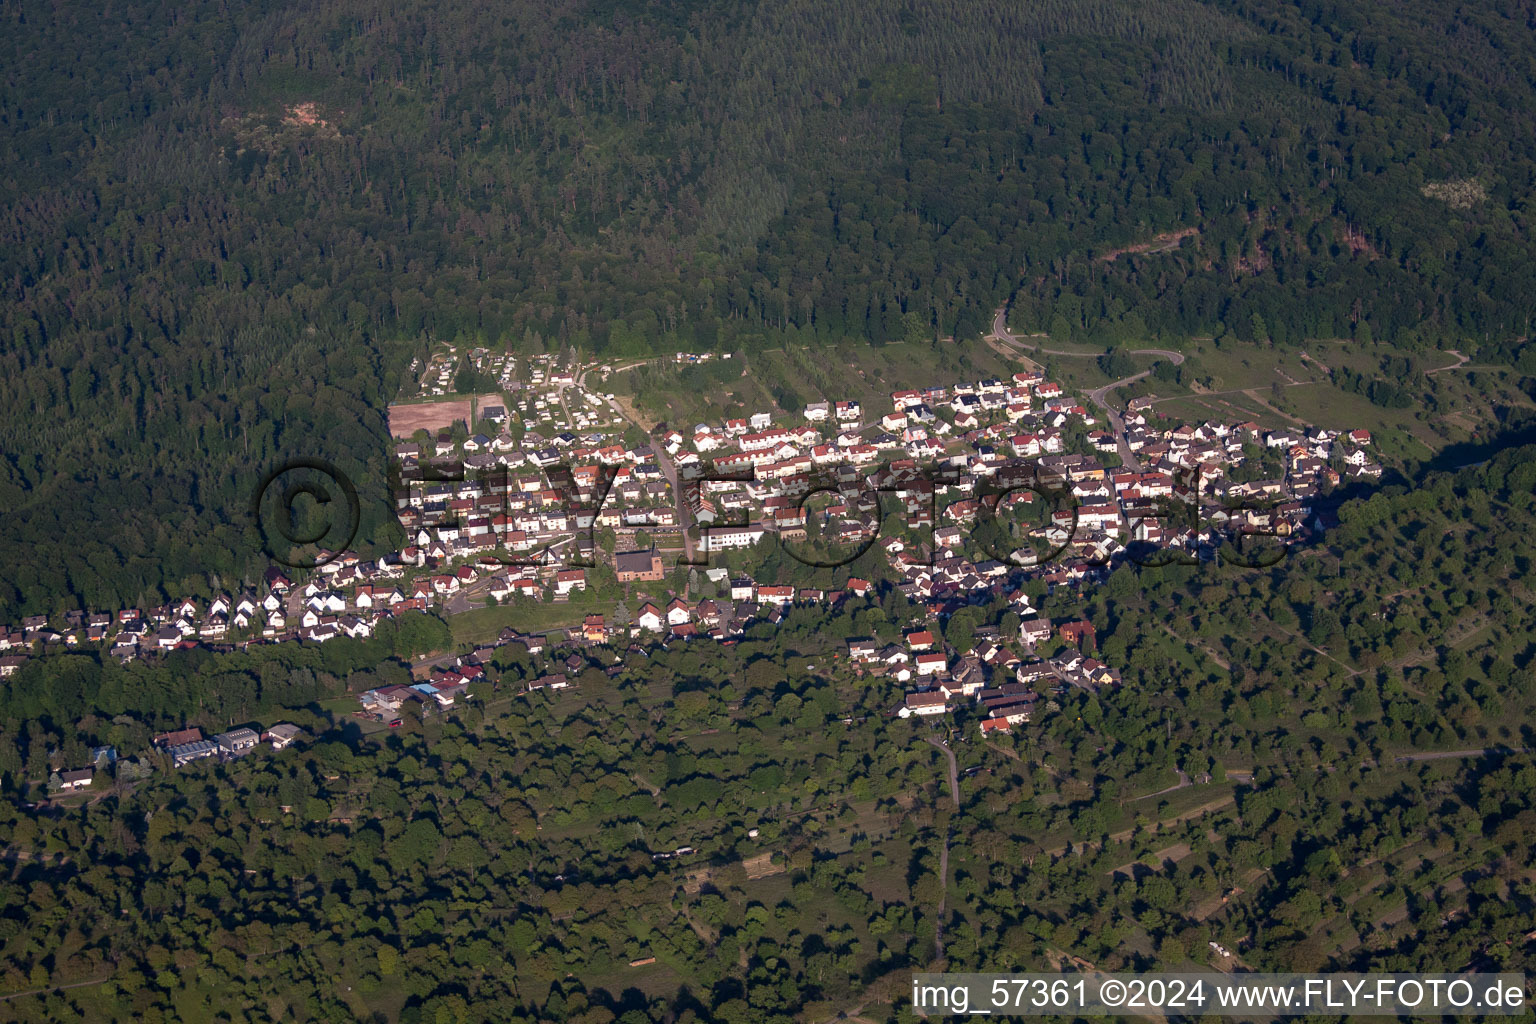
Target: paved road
(422, 667)
(457, 602)
(1128, 458)
(954, 770)
(684, 513)
(1461, 361)
(1001, 333)
(1098, 396)
(1184, 780)
(577, 377)
(664, 463)
(565, 408)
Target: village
(523, 501)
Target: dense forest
(225, 229)
(500, 863)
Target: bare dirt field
(761, 866)
(405, 420)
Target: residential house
(1035, 631)
(77, 779)
(649, 618)
(931, 663)
(678, 613)
(281, 735)
(927, 703)
(1079, 633)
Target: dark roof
(634, 561)
(180, 737)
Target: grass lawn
(1458, 404)
(842, 372)
(340, 711)
(1287, 387)
(482, 625)
(1398, 433)
(1236, 408)
(1249, 367)
(1066, 349)
(1084, 375)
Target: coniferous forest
(226, 230)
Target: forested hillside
(223, 230)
